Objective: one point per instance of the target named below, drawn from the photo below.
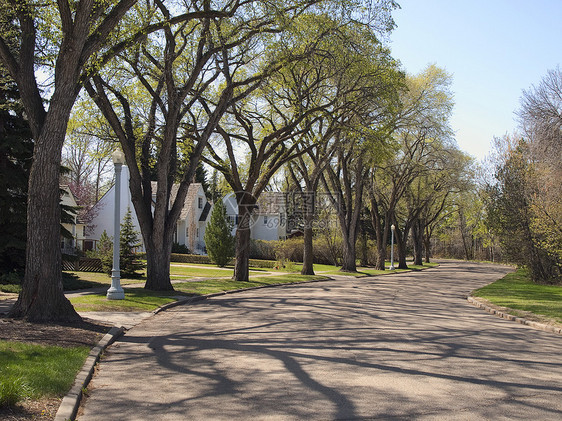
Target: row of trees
(524, 199)
(164, 75)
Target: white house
(190, 226)
(193, 218)
(269, 220)
(75, 228)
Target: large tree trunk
(308, 251)
(349, 254)
(364, 247)
(427, 246)
(417, 236)
(242, 260)
(42, 298)
(381, 235)
(158, 267)
(401, 241)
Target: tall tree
(353, 76)
(16, 150)
(67, 36)
(190, 72)
(541, 122)
(277, 121)
(421, 119)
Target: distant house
(193, 218)
(269, 219)
(76, 228)
(190, 226)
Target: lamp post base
(115, 292)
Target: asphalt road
(389, 347)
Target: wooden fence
(83, 264)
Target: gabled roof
(190, 198)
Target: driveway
(405, 346)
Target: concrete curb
(70, 403)
(483, 304)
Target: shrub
(189, 258)
(218, 239)
(105, 252)
(180, 249)
(289, 250)
(262, 249)
(11, 278)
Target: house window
(200, 203)
(197, 232)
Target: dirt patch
(44, 409)
(64, 335)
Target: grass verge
(212, 286)
(365, 271)
(520, 295)
(139, 299)
(136, 299)
(35, 371)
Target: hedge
(201, 259)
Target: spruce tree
(16, 152)
(105, 252)
(128, 241)
(218, 239)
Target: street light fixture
(392, 228)
(115, 292)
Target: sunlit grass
(36, 371)
(200, 272)
(136, 299)
(219, 285)
(84, 280)
(517, 292)
(369, 271)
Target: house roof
(192, 192)
(271, 203)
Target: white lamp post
(392, 228)
(115, 292)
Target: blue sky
(494, 49)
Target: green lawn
(190, 271)
(517, 292)
(36, 371)
(368, 271)
(139, 299)
(218, 285)
(136, 299)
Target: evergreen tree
(128, 241)
(215, 193)
(105, 252)
(16, 152)
(218, 239)
(201, 177)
